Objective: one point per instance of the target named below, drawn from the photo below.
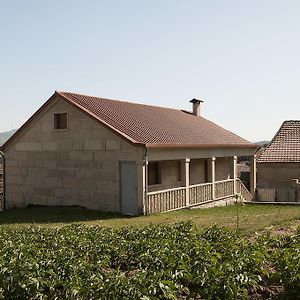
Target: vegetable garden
(154, 262)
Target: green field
(251, 217)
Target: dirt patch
(265, 292)
(283, 229)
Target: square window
(61, 121)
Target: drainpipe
(3, 177)
(145, 164)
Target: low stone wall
(216, 203)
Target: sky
(241, 57)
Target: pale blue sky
(241, 57)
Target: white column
(145, 186)
(185, 167)
(296, 185)
(234, 174)
(142, 187)
(213, 177)
(252, 174)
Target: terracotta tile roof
(285, 146)
(155, 126)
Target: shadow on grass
(42, 214)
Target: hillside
(4, 136)
(262, 143)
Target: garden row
(155, 262)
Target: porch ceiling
(156, 154)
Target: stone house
(123, 157)
(278, 165)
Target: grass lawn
(251, 217)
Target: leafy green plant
(238, 202)
(153, 262)
(286, 259)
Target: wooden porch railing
(200, 193)
(224, 188)
(243, 191)
(166, 200)
(172, 199)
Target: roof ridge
(124, 101)
(291, 122)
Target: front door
(128, 187)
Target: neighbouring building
(278, 165)
(122, 157)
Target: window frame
(56, 122)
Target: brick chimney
(196, 106)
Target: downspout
(3, 178)
(145, 164)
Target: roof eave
(149, 145)
(278, 162)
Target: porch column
(296, 185)
(213, 176)
(185, 167)
(142, 188)
(145, 186)
(234, 174)
(252, 174)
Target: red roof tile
(285, 146)
(155, 126)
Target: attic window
(61, 121)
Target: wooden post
(252, 175)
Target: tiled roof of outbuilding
(285, 146)
(155, 126)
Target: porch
(195, 195)
(177, 184)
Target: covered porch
(171, 183)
